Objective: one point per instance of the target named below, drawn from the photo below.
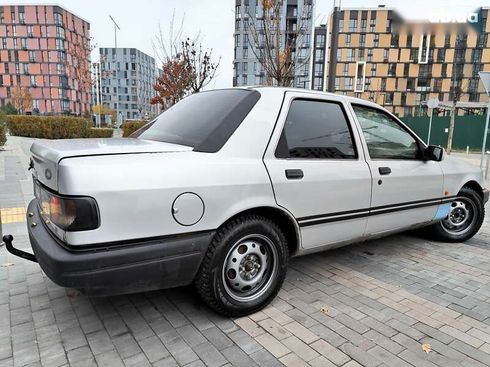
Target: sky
(214, 21)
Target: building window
(392, 69)
(351, 54)
(346, 69)
(58, 19)
(23, 43)
(389, 98)
(374, 68)
(348, 83)
(363, 25)
(385, 54)
(319, 55)
(477, 53)
(32, 56)
(352, 25)
(376, 40)
(25, 68)
(360, 76)
(347, 40)
(409, 40)
(372, 25)
(341, 25)
(318, 83)
(22, 17)
(244, 80)
(33, 81)
(424, 49)
(362, 40)
(318, 70)
(370, 54)
(406, 69)
(339, 55)
(410, 83)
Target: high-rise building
(45, 49)
(247, 70)
(127, 78)
(320, 57)
(398, 64)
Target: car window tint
(316, 129)
(203, 120)
(385, 137)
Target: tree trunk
(451, 129)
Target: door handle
(384, 170)
(294, 174)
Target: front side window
(316, 130)
(385, 137)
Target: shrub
(130, 127)
(100, 132)
(54, 127)
(3, 134)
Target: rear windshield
(204, 121)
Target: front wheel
(244, 266)
(466, 214)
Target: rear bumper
(130, 267)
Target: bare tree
(200, 63)
(187, 67)
(277, 44)
(21, 99)
(168, 45)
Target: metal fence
(468, 131)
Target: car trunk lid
(46, 154)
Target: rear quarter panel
(135, 192)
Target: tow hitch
(7, 241)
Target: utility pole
(334, 45)
(116, 27)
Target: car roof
(316, 92)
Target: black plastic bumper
(126, 268)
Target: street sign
(485, 78)
(433, 103)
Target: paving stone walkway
(371, 304)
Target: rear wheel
(244, 266)
(465, 218)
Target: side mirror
(434, 153)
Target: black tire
(471, 199)
(210, 280)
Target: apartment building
(38, 48)
(127, 76)
(383, 58)
(247, 70)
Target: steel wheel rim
(461, 217)
(249, 267)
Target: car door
(406, 189)
(317, 170)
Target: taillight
(68, 213)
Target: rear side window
(316, 129)
(204, 121)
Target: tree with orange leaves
(174, 82)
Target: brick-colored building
(39, 48)
(399, 65)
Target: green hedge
(3, 134)
(100, 132)
(130, 127)
(54, 127)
